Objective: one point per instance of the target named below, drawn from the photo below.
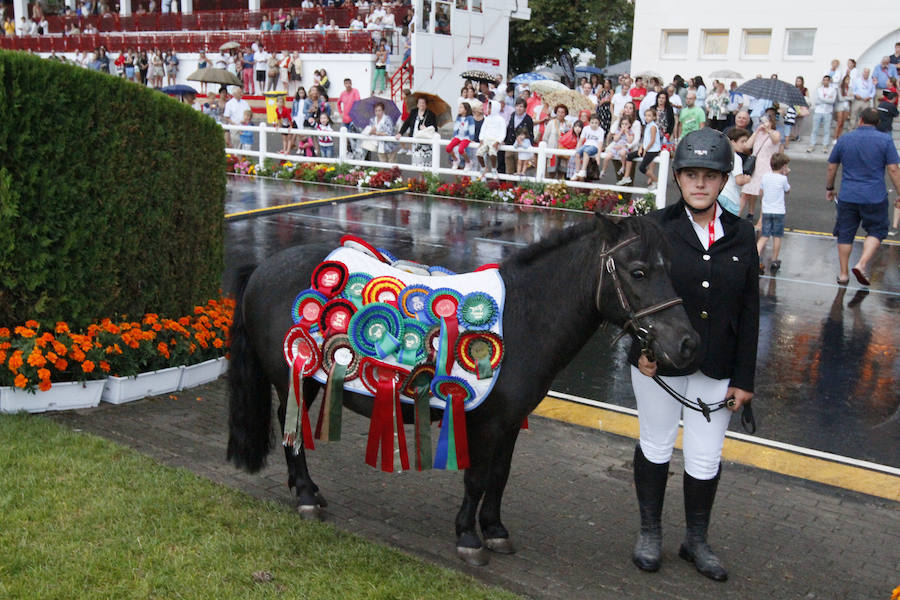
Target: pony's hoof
(474, 557)
(311, 512)
(500, 545)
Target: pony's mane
(651, 234)
(555, 240)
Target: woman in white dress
(383, 125)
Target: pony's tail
(250, 404)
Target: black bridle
(644, 336)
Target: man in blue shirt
(883, 74)
(863, 154)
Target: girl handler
(714, 269)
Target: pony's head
(634, 291)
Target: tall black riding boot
(650, 483)
(699, 495)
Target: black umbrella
(474, 75)
(178, 90)
(774, 90)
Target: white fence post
(541, 167)
(436, 152)
(663, 179)
(342, 138)
(263, 143)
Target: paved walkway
(570, 507)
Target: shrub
(111, 197)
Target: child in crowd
(523, 146)
(284, 121)
(774, 187)
(577, 128)
(246, 135)
(650, 147)
(887, 110)
(622, 140)
(588, 146)
(326, 142)
(730, 198)
(463, 134)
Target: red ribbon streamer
(459, 431)
(401, 434)
(451, 326)
(305, 427)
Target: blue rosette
(439, 270)
(478, 311)
(412, 342)
(413, 301)
(353, 289)
(375, 330)
(388, 255)
(300, 312)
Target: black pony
(558, 291)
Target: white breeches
(659, 413)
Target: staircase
(400, 79)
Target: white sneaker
(810, 149)
(652, 186)
(582, 173)
(494, 173)
(602, 173)
(454, 163)
(624, 181)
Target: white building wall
(438, 60)
(865, 32)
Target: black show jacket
(720, 288)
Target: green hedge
(111, 196)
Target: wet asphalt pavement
(828, 356)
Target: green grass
(82, 517)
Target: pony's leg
(496, 536)
(309, 500)
(468, 543)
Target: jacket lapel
(682, 225)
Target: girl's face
(661, 99)
(700, 187)
(628, 109)
(577, 129)
(520, 137)
(323, 117)
(462, 111)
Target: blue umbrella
(526, 77)
(363, 110)
(178, 90)
(589, 69)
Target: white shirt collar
(702, 231)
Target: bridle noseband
(644, 336)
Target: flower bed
(35, 355)
(556, 194)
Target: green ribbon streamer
(335, 393)
(387, 345)
(423, 427)
(483, 368)
(452, 463)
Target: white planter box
(119, 390)
(60, 396)
(201, 373)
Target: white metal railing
(343, 156)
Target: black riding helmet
(705, 148)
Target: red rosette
(335, 317)
(488, 267)
(431, 342)
(372, 369)
(351, 241)
(473, 346)
(330, 277)
(299, 344)
(443, 304)
(383, 289)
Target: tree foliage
(111, 196)
(602, 27)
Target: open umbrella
(434, 103)
(212, 75)
(726, 74)
(574, 100)
(545, 87)
(528, 77)
(775, 90)
(178, 90)
(588, 69)
(474, 75)
(229, 46)
(363, 110)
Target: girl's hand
(648, 367)
(736, 397)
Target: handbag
(567, 140)
(802, 111)
(750, 165)
(425, 132)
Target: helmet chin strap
(699, 210)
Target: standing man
(826, 94)
(882, 75)
(345, 102)
(863, 154)
(692, 117)
(234, 111)
(638, 93)
(261, 64)
(863, 90)
(895, 57)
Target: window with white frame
(715, 43)
(756, 43)
(799, 43)
(674, 43)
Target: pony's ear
(611, 228)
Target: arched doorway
(883, 47)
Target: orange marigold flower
(45, 339)
(44, 374)
(15, 361)
(61, 365)
(32, 324)
(87, 366)
(151, 318)
(59, 348)
(4, 332)
(21, 381)
(163, 349)
(184, 321)
(157, 327)
(36, 359)
(104, 366)
(62, 327)
(2, 356)
(44, 385)
(192, 347)
(5, 345)
(218, 343)
(77, 355)
(24, 332)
